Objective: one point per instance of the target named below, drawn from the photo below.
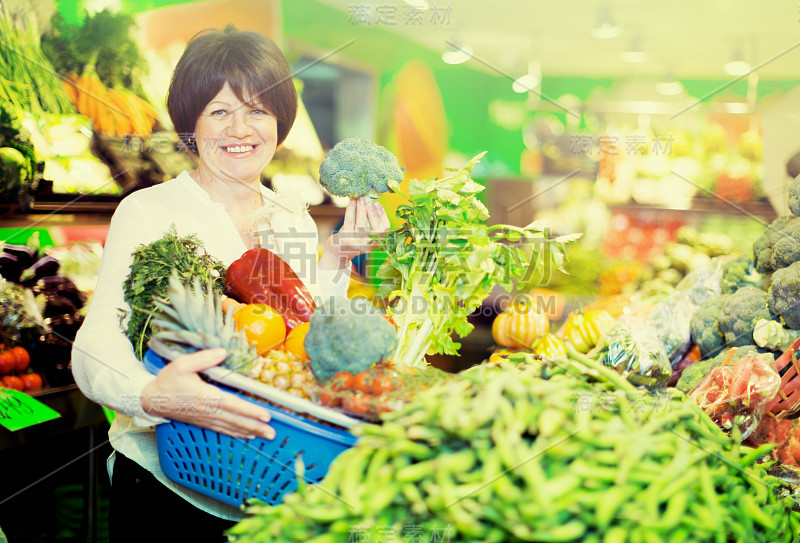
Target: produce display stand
(56, 471)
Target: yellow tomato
(262, 326)
(295, 339)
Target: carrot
(122, 119)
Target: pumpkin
(550, 346)
(614, 305)
(519, 326)
(584, 329)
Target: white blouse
(103, 361)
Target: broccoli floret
(779, 245)
(704, 326)
(357, 167)
(740, 272)
(794, 196)
(692, 375)
(347, 335)
(784, 295)
(739, 314)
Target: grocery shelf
(703, 206)
(93, 209)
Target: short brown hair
(251, 63)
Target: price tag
(18, 410)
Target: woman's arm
(108, 372)
(103, 362)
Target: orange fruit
(295, 340)
(262, 325)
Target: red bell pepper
(261, 276)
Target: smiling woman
(232, 102)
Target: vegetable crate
(233, 470)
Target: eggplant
(25, 256)
(44, 267)
(59, 287)
(9, 267)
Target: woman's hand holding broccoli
(358, 169)
(363, 218)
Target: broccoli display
(704, 326)
(779, 245)
(784, 295)
(692, 375)
(357, 167)
(740, 272)
(794, 196)
(739, 314)
(348, 335)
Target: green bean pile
(506, 455)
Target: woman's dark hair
(251, 63)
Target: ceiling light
(634, 53)
(525, 83)
(605, 29)
(529, 80)
(458, 54)
(737, 66)
(669, 86)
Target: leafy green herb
(27, 79)
(104, 41)
(444, 261)
(149, 278)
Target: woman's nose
(240, 126)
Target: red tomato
(8, 362)
(341, 381)
(14, 382)
(358, 404)
(362, 381)
(22, 358)
(381, 384)
(31, 381)
(328, 399)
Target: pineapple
(285, 371)
(191, 320)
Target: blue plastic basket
(233, 470)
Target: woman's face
(234, 141)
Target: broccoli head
(740, 272)
(739, 315)
(704, 326)
(784, 295)
(347, 335)
(357, 167)
(794, 196)
(779, 245)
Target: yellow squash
(519, 326)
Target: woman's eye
(219, 113)
(259, 112)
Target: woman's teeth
(239, 149)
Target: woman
(232, 101)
